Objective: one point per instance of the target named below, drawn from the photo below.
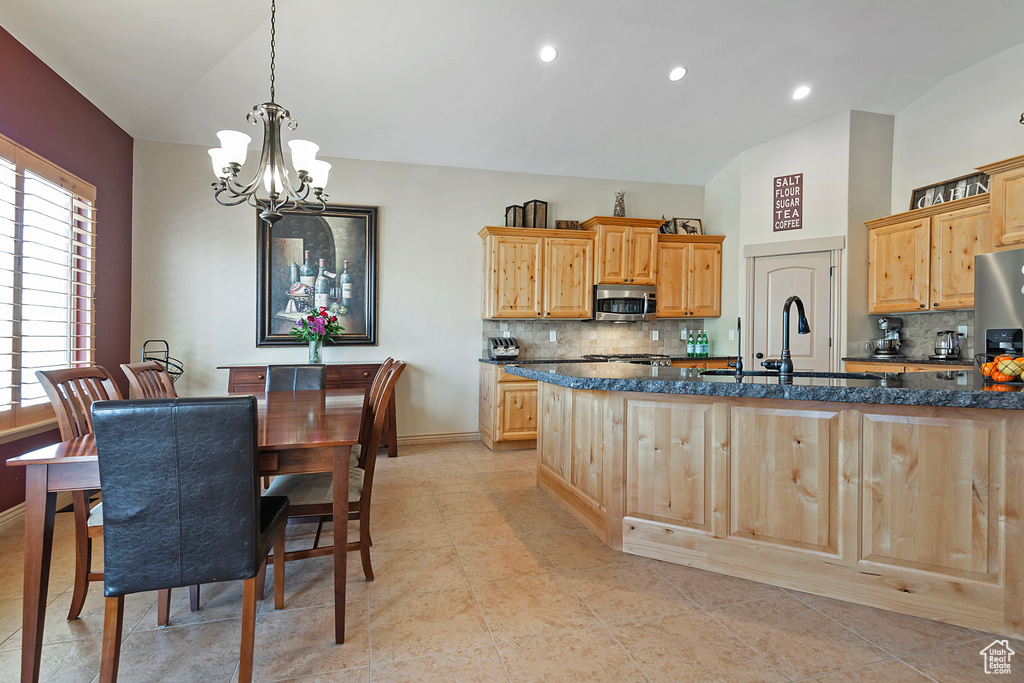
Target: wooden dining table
(299, 431)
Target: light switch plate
(551, 335)
(732, 335)
(654, 335)
(961, 330)
(682, 334)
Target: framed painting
(310, 260)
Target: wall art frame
(339, 234)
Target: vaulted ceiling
(459, 82)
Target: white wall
(194, 268)
(969, 119)
(722, 217)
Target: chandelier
(310, 172)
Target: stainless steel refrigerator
(999, 302)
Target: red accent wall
(41, 111)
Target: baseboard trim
(437, 438)
(16, 514)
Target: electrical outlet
(551, 335)
(961, 330)
(506, 334)
(682, 334)
(732, 335)
(654, 335)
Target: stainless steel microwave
(624, 303)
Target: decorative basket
(994, 379)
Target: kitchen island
(903, 493)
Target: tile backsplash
(575, 338)
(919, 330)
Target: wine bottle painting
(311, 261)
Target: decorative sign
(948, 190)
(788, 202)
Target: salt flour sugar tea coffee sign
(788, 202)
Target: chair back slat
(181, 502)
(371, 401)
(72, 393)
(149, 380)
(296, 377)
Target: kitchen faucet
(785, 362)
(738, 365)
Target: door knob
(759, 355)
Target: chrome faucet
(785, 362)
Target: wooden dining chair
(180, 480)
(311, 495)
(149, 379)
(72, 393)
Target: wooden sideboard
(245, 379)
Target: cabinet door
(611, 261)
(956, 238)
(517, 411)
(898, 264)
(704, 280)
(568, 289)
(672, 276)
(643, 256)
(514, 277)
(1007, 202)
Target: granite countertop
(497, 361)
(961, 389)
(912, 360)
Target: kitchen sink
(774, 373)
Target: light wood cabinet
(924, 259)
(889, 367)
(531, 274)
(689, 276)
(1006, 192)
(626, 251)
(508, 409)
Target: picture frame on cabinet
(345, 237)
(949, 190)
(687, 226)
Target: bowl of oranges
(1001, 369)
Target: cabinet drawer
(505, 377)
(245, 380)
(353, 375)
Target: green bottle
(691, 347)
(707, 345)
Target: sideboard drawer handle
(366, 374)
(260, 377)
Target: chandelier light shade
(281, 191)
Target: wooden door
(1007, 202)
(672, 279)
(643, 256)
(939, 513)
(898, 267)
(704, 280)
(791, 497)
(514, 277)
(517, 411)
(956, 238)
(611, 262)
(776, 278)
(568, 288)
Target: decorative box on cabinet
(689, 276)
(247, 379)
(924, 259)
(530, 274)
(627, 250)
(508, 409)
(1006, 192)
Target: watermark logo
(997, 657)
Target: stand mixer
(889, 343)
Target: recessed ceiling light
(677, 73)
(548, 53)
(801, 92)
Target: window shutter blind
(47, 278)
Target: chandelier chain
(273, 35)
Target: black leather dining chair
(181, 506)
(296, 377)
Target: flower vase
(315, 348)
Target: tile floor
(480, 577)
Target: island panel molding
(912, 508)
